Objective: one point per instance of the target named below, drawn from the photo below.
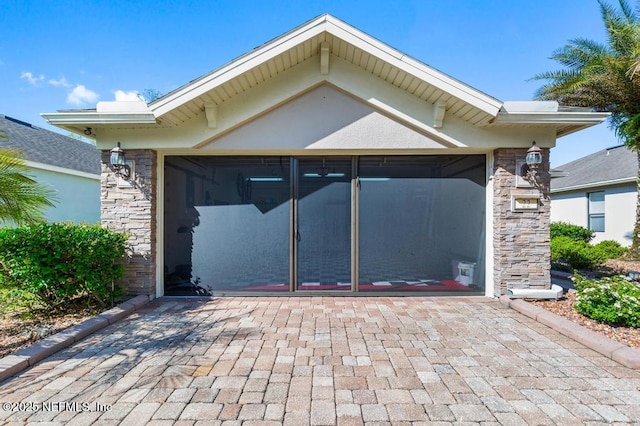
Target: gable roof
(340, 40)
(325, 39)
(47, 147)
(606, 167)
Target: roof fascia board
(235, 68)
(94, 117)
(595, 185)
(345, 32)
(416, 68)
(587, 118)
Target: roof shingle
(611, 164)
(47, 147)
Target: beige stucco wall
(323, 119)
(77, 197)
(619, 215)
(569, 207)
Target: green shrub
(58, 262)
(609, 249)
(575, 232)
(570, 248)
(578, 254)
(612, 300)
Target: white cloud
(32, 79)
(62, 82)
(121, 95)
(81, 95)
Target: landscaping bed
(629, 336)
(17, 333)
(18, 330)
(53, 276)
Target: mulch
(564, 308)
(17, 332)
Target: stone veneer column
(132, 209)
(520, 238)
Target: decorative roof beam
(439, 110)
(211, 111)
(324, 58)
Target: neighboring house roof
(607, 167)
(46, 147)
(325, 41)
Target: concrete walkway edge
(625, 355)
(24, 358)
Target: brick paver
(324, 361)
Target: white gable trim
(343, 31)
(429, 75)
(233, 69)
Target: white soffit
(312, 39)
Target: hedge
(58, 262)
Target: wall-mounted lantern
(533, 159)
(119, 163)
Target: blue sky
(62, 54)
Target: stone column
(130, 207)
(520, 237)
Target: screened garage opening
(324, 225)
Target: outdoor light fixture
(534, 156)
(88, 131)
(533, 159)
(119, 163)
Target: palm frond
(22, 199)
(579, 53)
(621, 26)
(627, 128)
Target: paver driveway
(324, 361)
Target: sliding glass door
(421, 223)
(227, 224)
(323, 223)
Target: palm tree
(22, 199)
(606, 77)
